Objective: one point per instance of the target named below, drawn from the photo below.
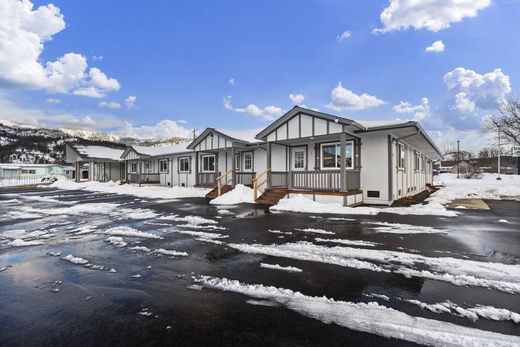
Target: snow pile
(279, 267)
(145, 191)
(370, 318)
(488, 187)
(397, 228)
(131, 232)
(299, 203)
(240, 194)
(460, 272)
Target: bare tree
(488, 152)
(507, 120)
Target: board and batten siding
(214, 142)
(303, 125)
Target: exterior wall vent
(373, 194)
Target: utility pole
(499, 152)
(458, 158)
(194, 131)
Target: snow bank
(460, 272)
(485, 188)
(145, 191)
(241, 194)
(371, 318)
(299, 203)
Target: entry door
(299, 158)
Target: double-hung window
(248, 161)
(417, 161)
(237, 162)
(208, 163)
(163, 165)
(331, 155)
(133, 167)
(146, 166)
(184, 165)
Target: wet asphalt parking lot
(136, 295)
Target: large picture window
(163, 165)
(331, 155)
(184, 164)
(208, 163)
(248, 161)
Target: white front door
(299, 158)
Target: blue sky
(177, 61)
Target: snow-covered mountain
(29, 144)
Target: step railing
(257, 184)
(226, 181)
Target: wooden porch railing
(207, 179)
(223, 177)
(257, 183)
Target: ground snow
(461, 272)
(131, 232)
(23, 243)
(398, 228)
(349, 242)
(170, 252)
(145, 191)
(316, 231)
(371, 318)
(240, 194)
(116, 241)
(191, 220)
(75, 260)
(279, 267)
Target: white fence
(24, 181)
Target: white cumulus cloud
(297, 99)
(343, 36)
(432, 15)
(343, 99)
(436, 47)
(163, 129)
(24, 32)
(266, 113)
(231, 81)
(469, 90)
(130, 101)
(111, 105)
(420, 111)
(53, 101)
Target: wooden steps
(272, 196)
(214, 192)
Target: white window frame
(181, 159)
(338, 148)
(293, 158)
(160, 166)
(417, 161)
(248, 157)
(132, 167)
(401, 154)
(237, 162)
(214, 162)
(147, 166)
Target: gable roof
(295, 111)
(149, 151)
(97, 152)
(209, 131)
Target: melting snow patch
(136, 276)
(195, 287)
(54, 254)
(75, 260)
(379, 296)
(192, 220)
(371, 317)
(131, 232)
(397, 228)
(282, 268)
(461, 272)
(280, 232)
(349, 242)
(316, 231)
(137, 213)
(145, 312)
(116, 241)
(262, 303)
(170, 252)
(23, 243)
(503, 221)
(139, 249)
